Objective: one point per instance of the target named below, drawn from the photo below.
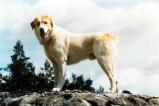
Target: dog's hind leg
(104, 53)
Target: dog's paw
(56, 89)
(111, 91)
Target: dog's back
(81, 46)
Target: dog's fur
(66, 48)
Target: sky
(134, 22)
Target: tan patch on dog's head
(47, 20)
(44, 20)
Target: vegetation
(78, 82)
(22, 75)
(100, 90)
(21, 71)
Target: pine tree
(100, 90)
(22, 71)
(0, 79)
(87, 85)
(78, 82)
(46, 77)
(48, 70)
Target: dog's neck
(57, 30)
(54, 34)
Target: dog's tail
(110, 37)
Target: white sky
(135, 22)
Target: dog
(65, 48)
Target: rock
(75, 98)
(126, 91)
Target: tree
(46, 77)
(48, 70)
(88, 84)
(22, 72)
(78, 82)
(100, 90)
(0, 79)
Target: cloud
(132, 79)
(82, 16)
(152, 65)
(137, 82)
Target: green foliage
(48, 70)
(0, 78)
(79, 83)
(100, 90)
(46, 77)
(22, 72)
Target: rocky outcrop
(75, 98)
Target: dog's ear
(51, 21)
(32, 25)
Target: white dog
(66, 48)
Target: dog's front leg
(61, 75)
(56, 72)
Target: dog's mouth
(43, 34)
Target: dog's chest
(52, 52)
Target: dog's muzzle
(42, 33)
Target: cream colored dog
(65, 48)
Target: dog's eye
(38, 23)
(45, 22)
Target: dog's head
(42, 26)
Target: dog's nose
(42, 31)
